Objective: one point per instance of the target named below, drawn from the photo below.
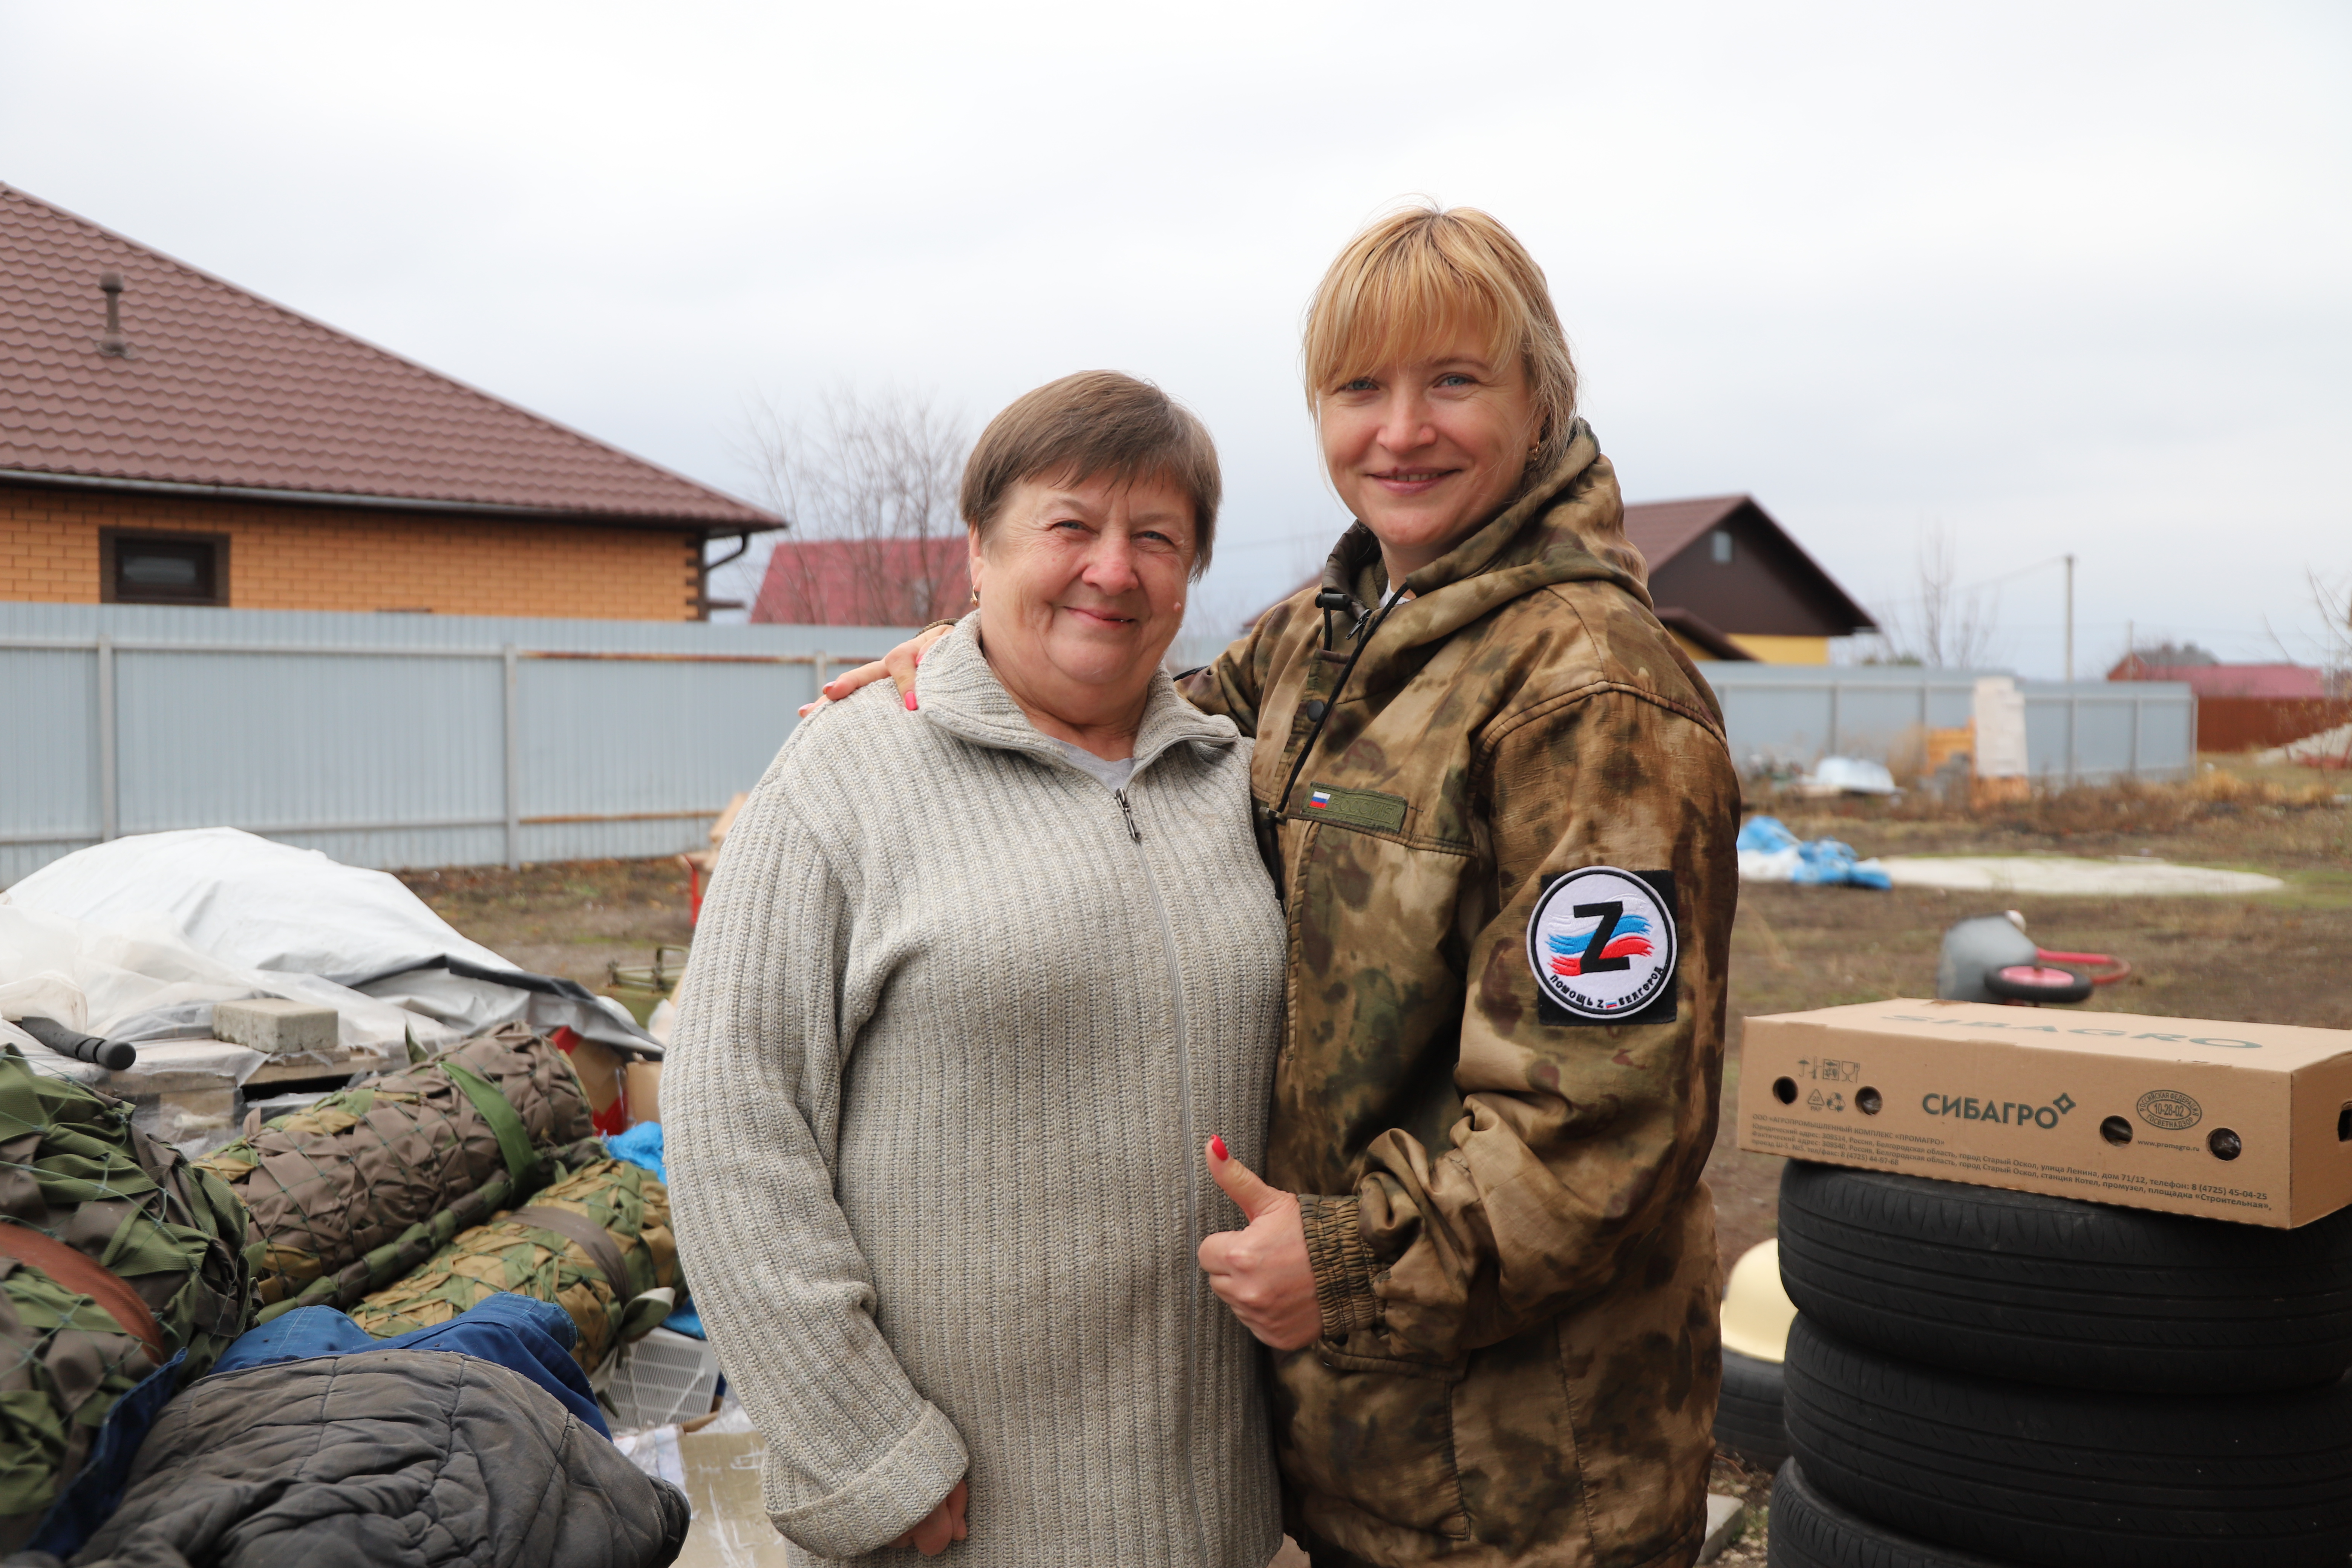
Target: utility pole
(2070, 617)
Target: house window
(163, 568)
(1720, 543)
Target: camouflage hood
(1497, 1152)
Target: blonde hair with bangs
(1415, 280)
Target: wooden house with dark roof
(1731, 583)
(168, 438)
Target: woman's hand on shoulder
(943, 1526)
(898, 664)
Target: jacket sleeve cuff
(1343, 1265)
(887, 1499)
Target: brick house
(167, 438)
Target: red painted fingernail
(1217, 1146)
(910, 702)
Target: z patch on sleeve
(1603, 945)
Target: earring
(975, 595)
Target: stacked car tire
(1980, 1378)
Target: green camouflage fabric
(359, 1189)
(73, 1167)
(1514, 1252)
(627, 1201)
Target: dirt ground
(2284, 957)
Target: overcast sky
(2052, 276)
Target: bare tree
(877, 479)
(2334, 601)
(1944, 625)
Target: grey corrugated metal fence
(391, 739)
(2086, 732)
(452, 741)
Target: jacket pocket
(1373, 1436)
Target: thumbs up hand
(1262, 1272)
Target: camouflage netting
(362, 1187)
(73, 1169)
(626, 1202)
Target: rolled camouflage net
(115, 1255)
(550, 1250)
(354, 1191)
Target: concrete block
(274, 1026)
(1726, 1522)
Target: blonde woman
(1496, 800)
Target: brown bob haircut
(1423, 276)
(1094, 424)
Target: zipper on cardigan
(1186, 1168)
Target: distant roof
(2230, 679)
(223, 390)
(1703, 635)
(865, 582)
(1662, 529)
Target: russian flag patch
(1318, 799)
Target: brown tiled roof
(223, 388)
(1662, 529)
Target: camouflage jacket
(1499, 1173)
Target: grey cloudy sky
(2054, 277)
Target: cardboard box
(644, 1081)
(600, 1067)
(721, 1475)
(2240, 1121)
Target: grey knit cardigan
(958, 1021)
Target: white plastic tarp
(149, 984)
(256, 905)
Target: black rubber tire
(1809, 1530)
(2068, 1478)
(1747, 1421)
(2041, 1290)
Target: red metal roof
(223, 388)
(2231, 679)
(865, 582)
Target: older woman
(972, 987)
(1500, 809)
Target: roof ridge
(412, 366)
